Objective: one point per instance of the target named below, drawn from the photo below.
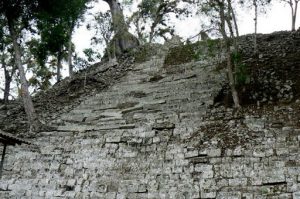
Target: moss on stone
(192, 51)
(145, 52)
(179, 55)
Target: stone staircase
(138, 101)
(138, 139)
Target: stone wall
(156, 134)
(273, 72)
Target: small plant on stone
(242, 76)
(264, 191)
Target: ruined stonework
(155, 134)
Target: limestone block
(177, 169)
(47, 149)
(121, 196)
(181, 162)
(146, 134)
(237, 169)
(77, 188)
(225, 170)
(208, 194)
(238, 182)
(71, 182)
(69, 161)
(156, 139)
(76, 127)
(274, 176)
(54, 193)
(133, 188)
(69, 172)
(259, 152)
(237, 151)
(293, 187)
(73, 118)
(28, 193)
(214, 152)
(282, 151)
(208, 184)
(293, 171)
(247, 196)
(70, 194)
(296, 195)
(229, 195)
(215, 161)
(142, 188)
(206, 170)
(115, 139)
(192, 153)
(129, 154)
(4, 185)
(222, 182)
(254, 124)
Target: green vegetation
(144, 53)
(264, 191)
(212, 47)
(192, 51)
(179, 55)
(242, 76)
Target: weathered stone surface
(160, 137)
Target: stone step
(85, 127)
(76, 127)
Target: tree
(42, 72)
(156, 13)
(220, 15)
(90, 56)
(18, 15)
(294, 9)
(9, 68)
(57, 19)
(6, 59)
(53, 40)
(103, 26)
(74, 14)
(123, 39)
(231, 16)
(9, 71)
(258, 6)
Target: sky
(278, 18)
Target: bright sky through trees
(278, 18)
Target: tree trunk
(8, 79)
(152, 29)
(228, 19)
(123, 39)
(59, 66)
(108, 48)
(70, 64)
(28, 105)
(294, 14)
(255, 26)
(228, 55)
(138, 29)
(233, 18)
